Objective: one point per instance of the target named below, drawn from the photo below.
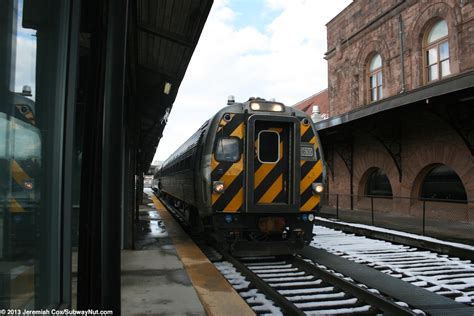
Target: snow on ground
(438, 273)
(399, 233)
(256, 300)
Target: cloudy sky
(265, 48)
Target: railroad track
(440, 274)
(292, 286)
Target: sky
(260, 48)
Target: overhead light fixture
(167, 88)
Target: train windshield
(227, 149)
(268, 146)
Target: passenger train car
(251, 176)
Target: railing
(441, 218)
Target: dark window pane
(268, 147)
(373, 94)
(443, 183)
(373, 83)
(227, 150)
(377, 184)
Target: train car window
(227, 149)
(268, 148)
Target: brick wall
(320, 98)
(369, 26)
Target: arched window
(375, 78)
(437, 52)
(443, 183)
(377, 184)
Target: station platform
(454, 231)
(168, 274)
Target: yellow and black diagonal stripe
(269, 178)
(232, 174)
(311, 171)
(19, 177)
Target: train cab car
(19, 169)
(251, 176)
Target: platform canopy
(162, 38)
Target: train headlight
(255, 106)
(267, 106)
(277, 107)
(318, 188)
(311, 217)
(28, 184)
(218, 187)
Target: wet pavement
(168, 274)
(154, 280)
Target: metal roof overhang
(437, 89)
(162, 37)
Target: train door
(271, 158)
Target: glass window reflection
(32, 76)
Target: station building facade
(401, 107)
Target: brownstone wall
(426, 141)
(366, 27)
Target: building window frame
(436, 54)
(375, 78)
(377, 184)
(442, 183)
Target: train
(20, 165)
(251, 177)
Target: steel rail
(288, 307)
(376, 300)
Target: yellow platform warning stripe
(217, 296)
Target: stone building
(401, 106)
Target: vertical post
(372, 208)
(69, 153)
(424, 213)
(337, 206)
(113, 124)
